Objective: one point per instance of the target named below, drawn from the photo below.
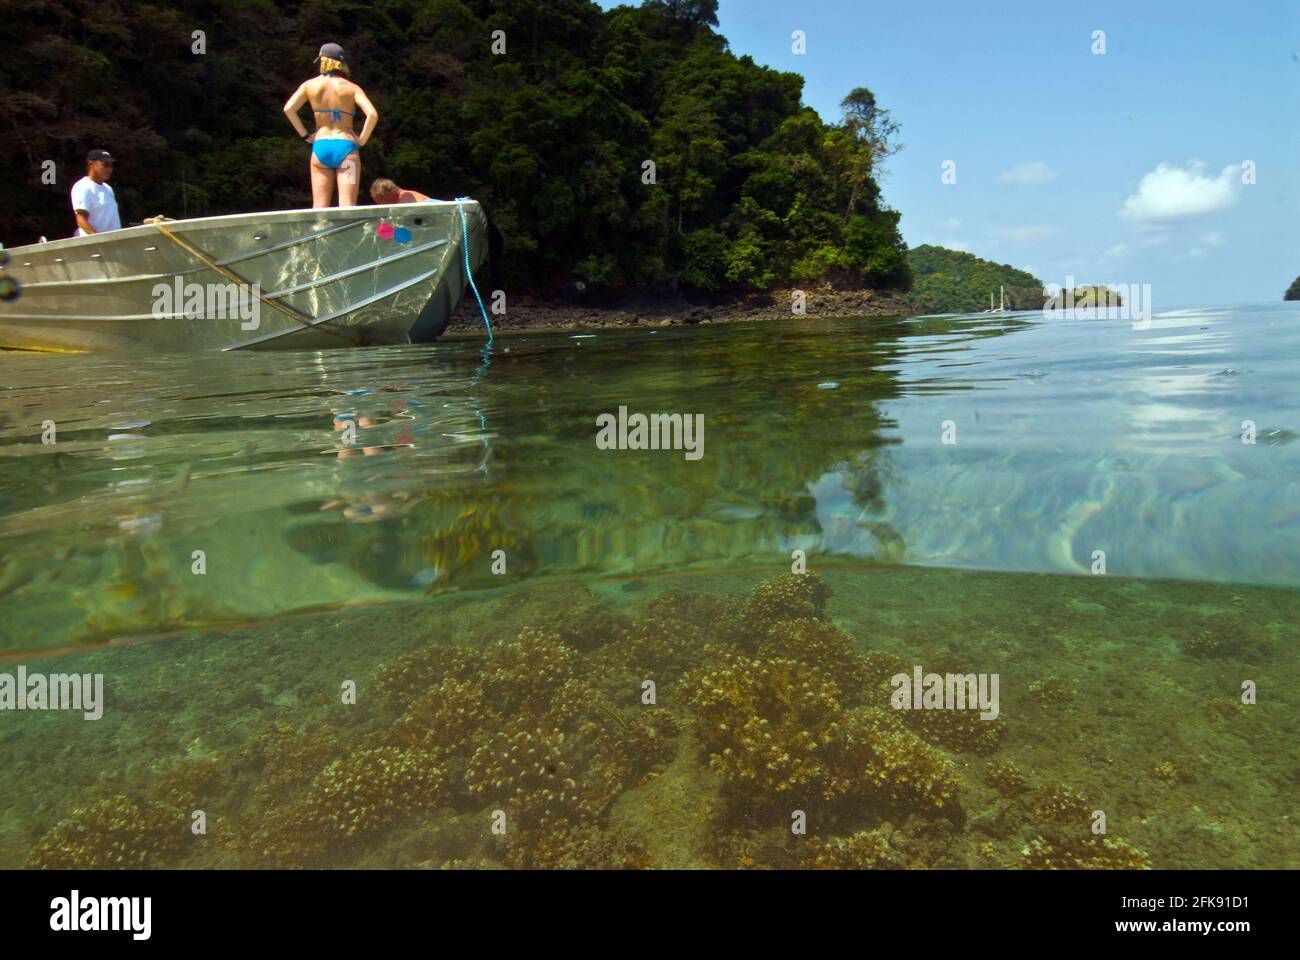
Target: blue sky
(1111, 168)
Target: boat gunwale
(329, 213)
(238, 258)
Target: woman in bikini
(334, 154)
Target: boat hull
(285, 279)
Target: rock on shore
(531, 313)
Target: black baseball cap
(102, 155)
(331, 50)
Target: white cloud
(1030, 174)
(1022, 234)
(1171, 193)
(952, 223)
(1118, 250)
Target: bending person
(335, 159)
(384, 190)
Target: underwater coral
(533, 736)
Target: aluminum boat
(294, 279)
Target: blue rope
(487, 347)
(464, 232)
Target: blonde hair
(333, 66)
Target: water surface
(1068, 437)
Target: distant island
(1089, 295)
(953, 281)
(1293, 291)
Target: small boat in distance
(1002, 301)
(288, 279)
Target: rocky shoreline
(535, 313)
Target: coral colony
(693, 733)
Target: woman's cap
(331, 51)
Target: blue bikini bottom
(332, 152)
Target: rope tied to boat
(464, 233)
(487, 347)
(244, 284)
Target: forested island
(952, 281)
(749, 188)
(1089, 295)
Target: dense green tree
(1293, 291)
(873, 247)
(865, 138)
(691, 11)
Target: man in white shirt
(93, 201)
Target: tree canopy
(750, 187)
